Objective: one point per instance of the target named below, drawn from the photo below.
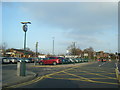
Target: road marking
(82, 79)
(99, 75)
(38, 78)
(62, 71)
(101, 64)
(73, 78)
(26, 83)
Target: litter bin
(21, 68)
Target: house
(19, 53)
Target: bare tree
(90, 52)
(73, 50)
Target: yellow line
(99, 75)
(89, 80)
(73, 78)
(26, 83)
(78, 79)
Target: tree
(90, 52)
(73, 50)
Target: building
(102, 54)
(19, 53)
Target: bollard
(21, 68)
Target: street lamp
(21, 66)
(25, 28)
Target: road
(96, 75)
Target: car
(75, 60)
(31, 60)
(13, 60)
(27, 60)
(70, 60)
(51, 60)
(86, 60)
(104, 60)
(109, 60)
(6, 60)
(65, 61)
(20, 59)
(98, 59)
(78, 60)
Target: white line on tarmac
(101, 64)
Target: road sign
(25, 28)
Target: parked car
(70, 60)
(98, 59)
(13, 60)
(75, 60)
(20, 59)
(78, 60)
(5, 60)
(85, 59)
(103, 60)
(109, 60)
(31, 60)
(27, 60)
(50, 60)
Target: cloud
(84, 17)
(87, 23)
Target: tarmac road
(96, 75)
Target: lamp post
(53, 45)
(25, 27)
(21, 66)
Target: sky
(88, 24)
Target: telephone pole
(74, 51)
(36, 54)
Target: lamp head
(26, 22)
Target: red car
(104, 60)
(99, 60)
(51, 60)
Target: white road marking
(101, 64)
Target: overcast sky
(88, 24)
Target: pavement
(10, 77)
